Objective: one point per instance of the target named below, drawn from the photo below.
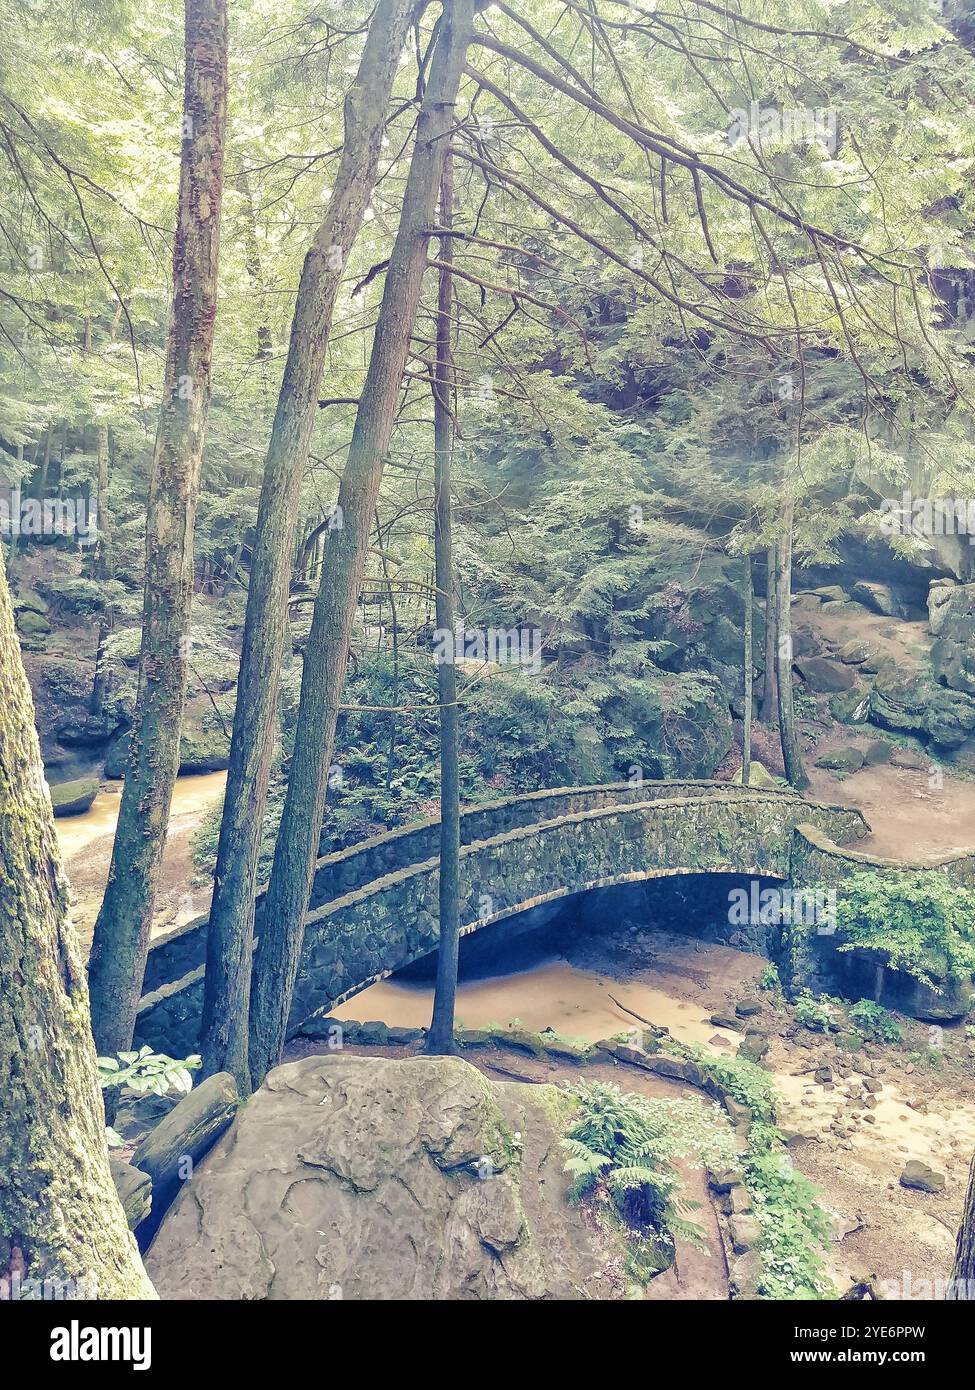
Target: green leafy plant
(921, 923)
(795, 1228)
(769, 978)
(874, 1022)
(147, 1072)
(626, 1145)
(815, 1012)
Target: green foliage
(795, 1228)
(147, 1072)
(626, 1145)
(769, 978)
(921, 923)
(815, 1012)
(874, 1022)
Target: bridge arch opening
(585, 963)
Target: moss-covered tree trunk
(60, 1217)
(962, 1285)
(229, 938)
(122, 929)
(441, 1036)
(327, 651)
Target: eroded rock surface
(374, 1178)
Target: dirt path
(914, 812)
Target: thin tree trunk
(791, 755)
(962, 1284)
(327, 652)
(769, 711)
(229, 937)
(441, 1035)
(103, 571)
(122, 929)
(60, 1216)
(746, 736)
(15, 520)
(40, 480)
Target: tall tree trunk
(60, 1216)
(230, 933)
(103, 571)
(15, 520)
(122, 929)
(791, 755)
(769, 711)
(441, 1035)
(327, 651)
(962, 1285)
(749, 668)
(40, 478)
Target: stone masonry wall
(366, 933)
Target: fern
(626, 1145)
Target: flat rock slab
(823, 674)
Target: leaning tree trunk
(748, 671)
(229, 936)
(769, 709)
(440, 1039)
(791, 755)
(962, 1284)
(60, 1216)
(327, 651)
(122, 929)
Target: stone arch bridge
(373, 907)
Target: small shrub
(769, 978)
(875, 1023)
(817, 1013)
(147, 1072)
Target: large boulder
(938, 596)
(32, 624)
(821, 673)
(879, 598)
(950, 717)
(899, 699)
(373, 1178)
(953, 653)
(202, 748)
(72, 798)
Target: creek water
(192, 796)
(551, 993)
